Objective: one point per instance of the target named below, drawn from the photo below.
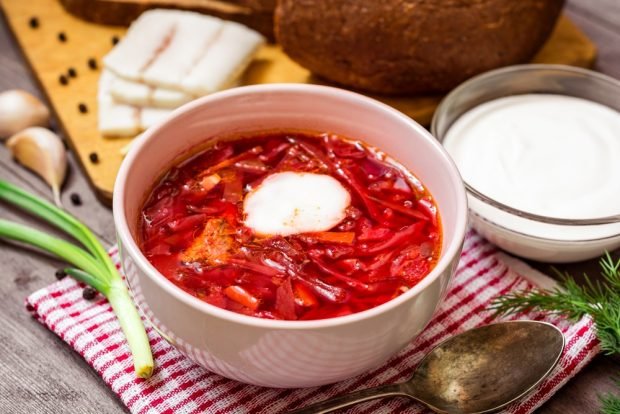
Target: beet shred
(192, 230)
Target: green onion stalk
(92, 264)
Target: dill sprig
(600, 299)
(610, 403)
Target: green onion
(93, 266)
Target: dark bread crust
(123, 12)
(411, 46)
(257, 5)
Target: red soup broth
(192, 230)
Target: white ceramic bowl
(545, 239)
(286, 353)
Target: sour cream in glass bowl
(537, 147)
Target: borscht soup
(292, 226)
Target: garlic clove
(18, 110)
(43, 152)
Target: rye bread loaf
(411, 46)
(257, 5)
(257, 14)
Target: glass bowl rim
(473, 82)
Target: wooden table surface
(40, 374)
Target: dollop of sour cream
(551, 155)
(288, 203)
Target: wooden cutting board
(49, 58)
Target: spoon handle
(389, 390)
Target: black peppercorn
(60, 274)
(115, 40)
(63, 80)
(62, 37)
(92, 63)
(82, 108)
(89, 293)
(72, 72)
(33, 22)
(76, 200)
(94, 157)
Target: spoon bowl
(478, 371)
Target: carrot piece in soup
(214, 245)
(303, 296)
(207, 183)
(345, 237)
(242, 296)
(233, 186)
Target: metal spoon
(478, 371)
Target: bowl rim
(129, 245)
(494, 223)
(507, 71)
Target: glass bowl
(536, 237)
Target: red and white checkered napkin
(181, 386)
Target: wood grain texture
(40, 374)
(600, 20)
(49, 58)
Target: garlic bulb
(43, 152)
(19, 110)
